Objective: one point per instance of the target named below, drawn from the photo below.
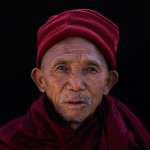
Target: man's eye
(91, 69)
(61, 68)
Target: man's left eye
(91, 69)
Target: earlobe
(36, 76)
(112, 79)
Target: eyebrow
(60, 61)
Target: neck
(74, 125)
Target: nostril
(75, 83)
(76, 87)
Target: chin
(75, 115)
(78, 118)
(73, 119)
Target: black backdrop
(19, 21)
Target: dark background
(19, 21)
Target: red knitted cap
(84, 23)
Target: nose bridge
(76, 81)
(76, 76)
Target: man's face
(74, 75)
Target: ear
(111, 80)
(37, 77)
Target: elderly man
(75, 70)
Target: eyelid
(61, 68)
(58, 64)
(92, 68)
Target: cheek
(54, 86)
(96, 83)
(96, 87)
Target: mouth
(75, 103)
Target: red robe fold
(113, 127)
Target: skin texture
(75, 76)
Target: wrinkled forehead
(74, 44)
(74, 49)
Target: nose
(75, 83)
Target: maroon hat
(84, 23)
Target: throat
(74, 125)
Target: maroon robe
(113, 127)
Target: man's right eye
(61, 68)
